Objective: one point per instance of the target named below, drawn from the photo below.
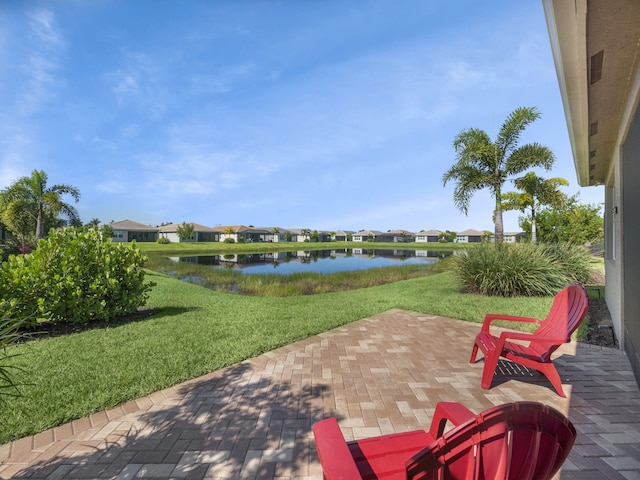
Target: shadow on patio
(378, 375)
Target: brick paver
(379, 375)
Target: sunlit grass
(195, 330)
(214, 248)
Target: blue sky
(313, 114)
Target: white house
(201, 233)
(469, 236)
(128, 230)
(430, 236)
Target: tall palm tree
(30, 197)
(535, 193)
(482, 163)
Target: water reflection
(316, 261)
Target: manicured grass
(220, 247)
(195, 330)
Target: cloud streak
(41, 62)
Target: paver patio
(378, 375)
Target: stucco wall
(630, 221)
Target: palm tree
(482, 163)
(29, 197)
(535, 193)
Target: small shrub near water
(163, 241)
(74, 276)
(525, 269)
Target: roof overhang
(596, 48)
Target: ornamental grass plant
(521, 270)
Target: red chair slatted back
(515, 441)
(569, 308)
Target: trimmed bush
(163, 241)
(74, 276)
(525, 269)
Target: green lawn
(194, 331)
(220, 247)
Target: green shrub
(229, 240)
(163, 241)
(525, 269)
(74, 276)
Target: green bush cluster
(74, 276)
(163, 241)
(525, 269)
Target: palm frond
(529, 156)
(517, 121)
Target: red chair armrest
(453, 412)
(333, 452)
(530, 337)
(492, 317)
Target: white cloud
(140, 84)
(111, 186)
(221, 80)
(42, 23)
(126, 85)
(464, 74)
(40, 62)
(193, 162)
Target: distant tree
(74, 222)
(107, 232)
(17, 220)
(185, 231)
(535, 193)
(315, 236)
(28, 202)
(485, 164)
(447, 236)
(486, 236)
(306, 234)
(94, 222)
(572, 222)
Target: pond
(316, 261)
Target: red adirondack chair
(569, 308)
(520, 440)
